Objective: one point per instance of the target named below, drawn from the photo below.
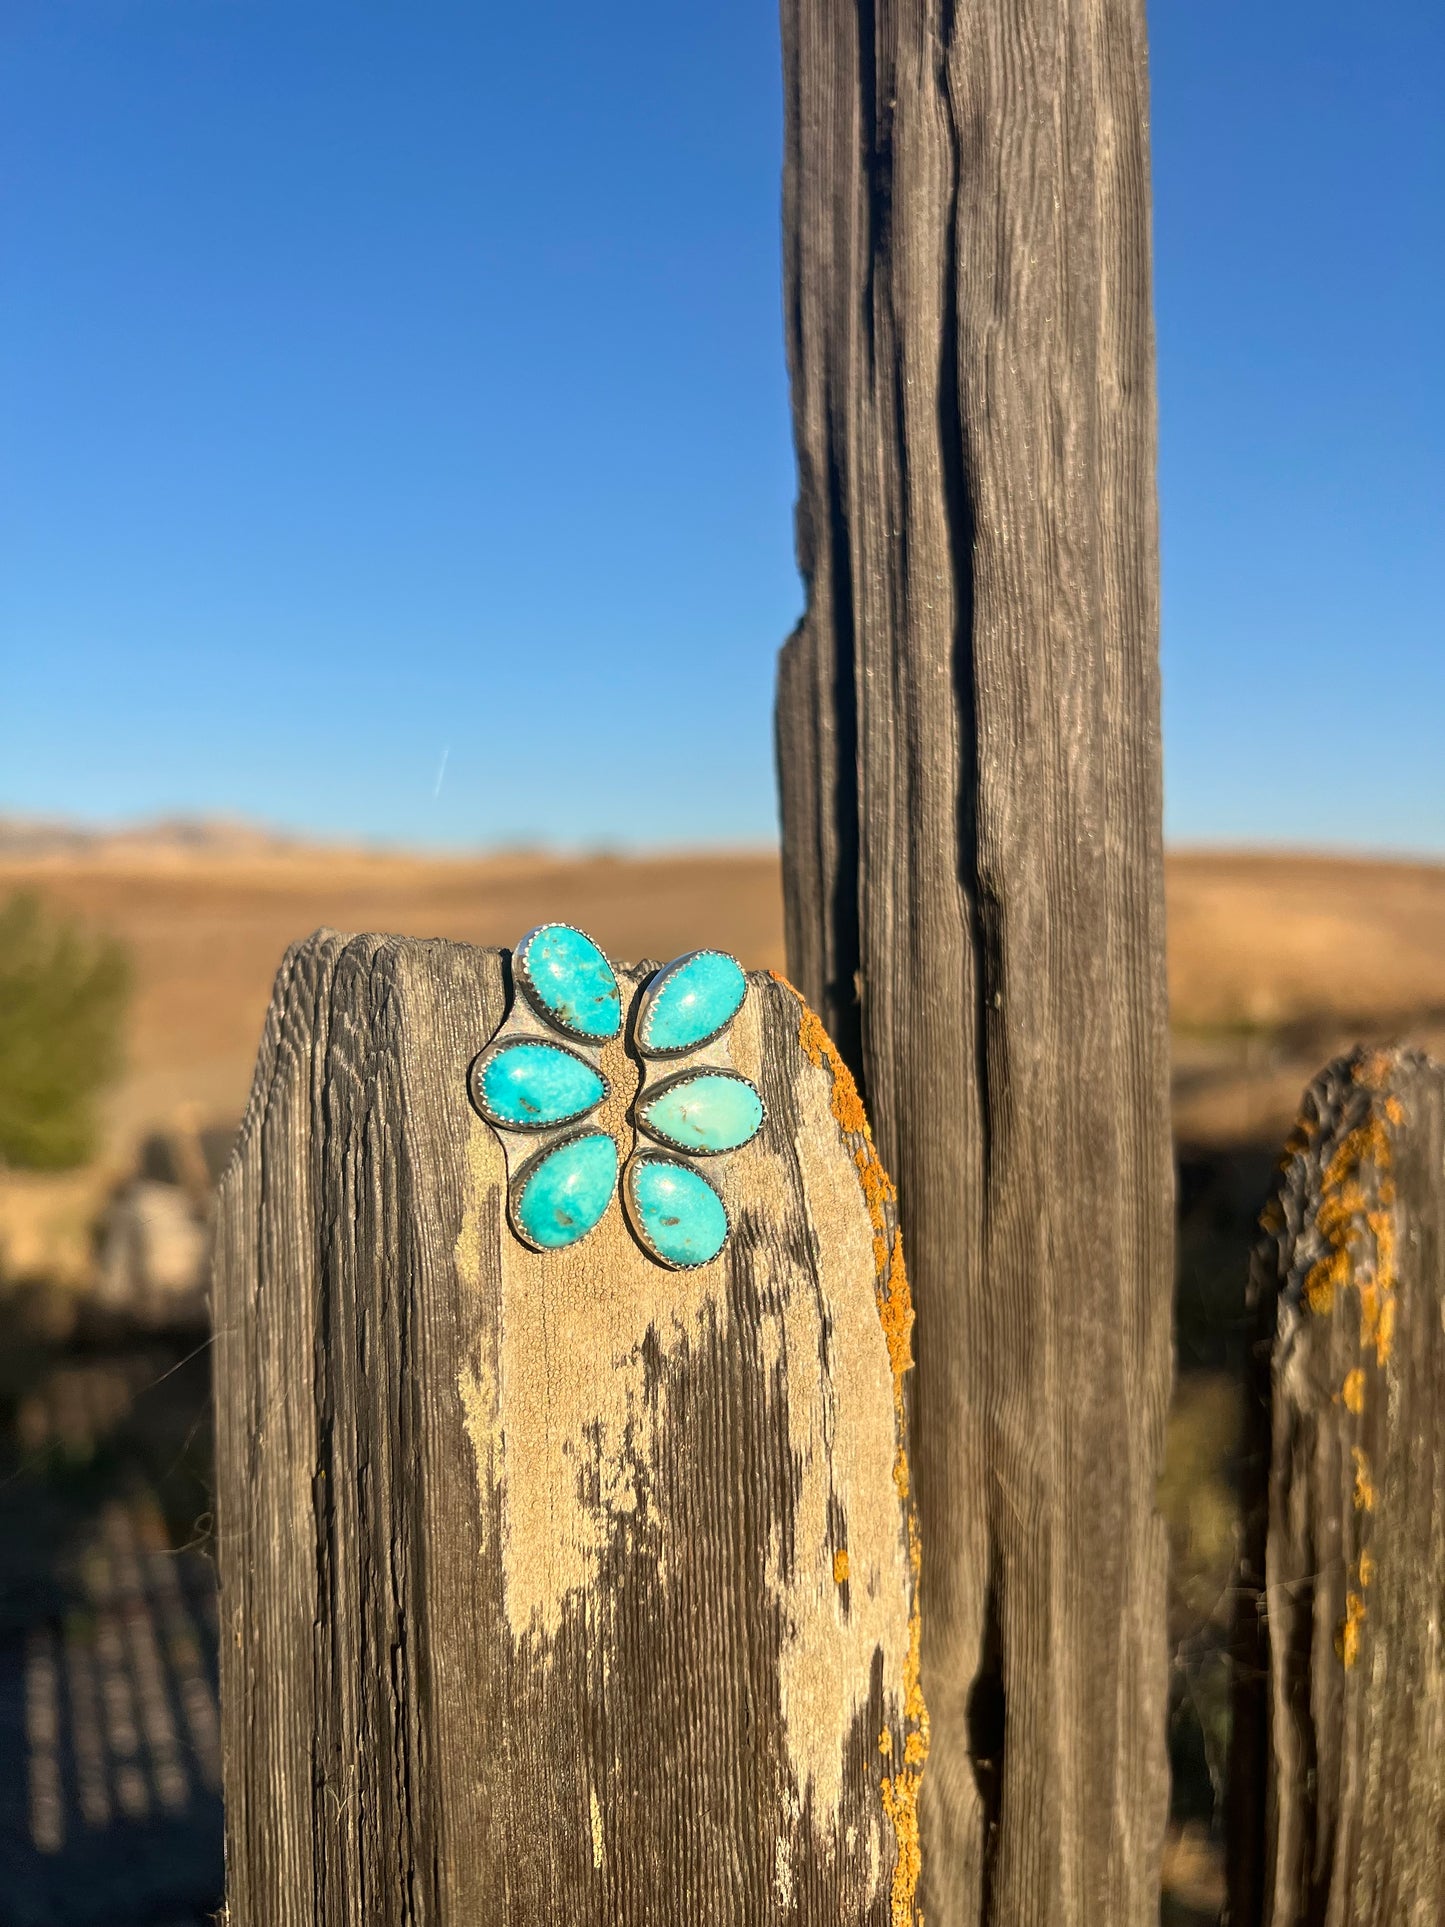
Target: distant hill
(195, 835)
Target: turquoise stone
(676, 1212)
(569, 980)
(704, 1112)
(690, 1001)
(528, 1086)
(561, 1196)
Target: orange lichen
(1377, 1324)
(1349, 1635)
(1364, 1485)
(1356, 1222)
(1352, 1392)
(1373, 1070)
(895, 1302)
(1324, 1278)
(1385, 1336)
(895, 1308)
(895, 1311)
(818, 1048)
(900, 1793)
(840, 1566)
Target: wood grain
(968, 750)
(564, 1587)
(1339, 1816)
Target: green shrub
(63, 998)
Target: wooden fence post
(562, 1587)
(1339, 1765)
(968, 748)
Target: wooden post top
(557, 1584)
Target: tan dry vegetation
(207, 930)
(1267, 940)
(1274, 960)
(1279, 962)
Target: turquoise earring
(535, 1090)
(676, 1215)
(560, 1195)
(703, 1113)
(527, 1084)
(675, 1211)
(690, 1002)
(568, 981)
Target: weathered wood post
(968, 745)
(558, 1586)
(1339, 1768)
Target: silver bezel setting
(523, 1040)
(633, 1214)
(646, 1097)
(649, 998)
(527, 985)
(523, 1177)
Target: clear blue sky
(396, 437)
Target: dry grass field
(206, 929)
(1273, 960)
(1275, 963)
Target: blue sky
(397, 439)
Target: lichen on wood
(563, 1586)
(895, 1309)
(1339, 1801)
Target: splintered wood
(1340, 1727)
(969, 769)
(555, 1586)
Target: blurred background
(397, 535)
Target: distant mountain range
(187, 841)
(22, 836)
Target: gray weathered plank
(1342, 1823)
(555, 1588)
(968, 749)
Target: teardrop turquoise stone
(531, 1085)
(691, 1001)
(566, 1191)
(569, 980)
(677, 1213)
(705, 1112)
